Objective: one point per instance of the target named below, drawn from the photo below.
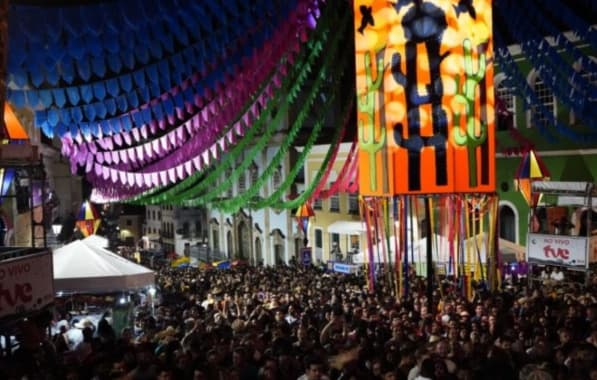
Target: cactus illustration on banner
(368, 141)
(473, 135)
(424, 75)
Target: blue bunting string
(553, 70)
(517, 80)
(134, 51)
(210, 81)
(558, 63)
(139, 78)
(563, 12)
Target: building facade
(265, 236)
(336, 231)
(556, 137)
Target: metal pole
(430, 302)
(3, 58)
(589, 221)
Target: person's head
(377, 367)
(269, 370)
(564, 335)
(442, 348)
(479, 310)
(166, 374)
(428, 368)
(313, 368)
(238, 357)
(390, 375)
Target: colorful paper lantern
(13, 132)
(88, 219)
(6, 177)
(531, 169)
(303, 213)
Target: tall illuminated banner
(424, 75)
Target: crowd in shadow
(291, 322)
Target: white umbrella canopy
(84, 267)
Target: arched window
(582, 67)
(228, 175)
(541, 116)
(508, 221)
(505, 104)
(242, 183)
(254, 171)
(277, 178)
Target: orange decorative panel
(424, 76)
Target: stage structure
(425, 100)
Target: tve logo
(561, 253)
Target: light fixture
(151, 291)
(57, 226)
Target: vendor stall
(84, 267)
(563, 238)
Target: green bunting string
(274, 200)
(248, 157)
(233, 205)
(247, 198)
(292, 85)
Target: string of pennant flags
(148, 96)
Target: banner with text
(568, 251)
(26, 284)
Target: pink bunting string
(107, 186)
(217, 100)
(345, 176)
(319, 192)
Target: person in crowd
(295, 322)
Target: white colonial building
(260, 236)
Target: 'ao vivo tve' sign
(568, 251)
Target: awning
(347, 227)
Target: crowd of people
(292, 322)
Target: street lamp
(151, 291)
(57, 226)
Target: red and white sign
(569, 251)
(26, 284)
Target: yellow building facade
(336, 231)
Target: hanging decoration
(12, 132)
(183, 191)
(6, 177)
(303, 214)
(88, 219)
(425, 125)
(424, 78)
(531, 169)
(147, 95)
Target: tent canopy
(84, 267)
(97, 241)
(569, 193)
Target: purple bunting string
(296, 20)
(211, 109)
(108, 186)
